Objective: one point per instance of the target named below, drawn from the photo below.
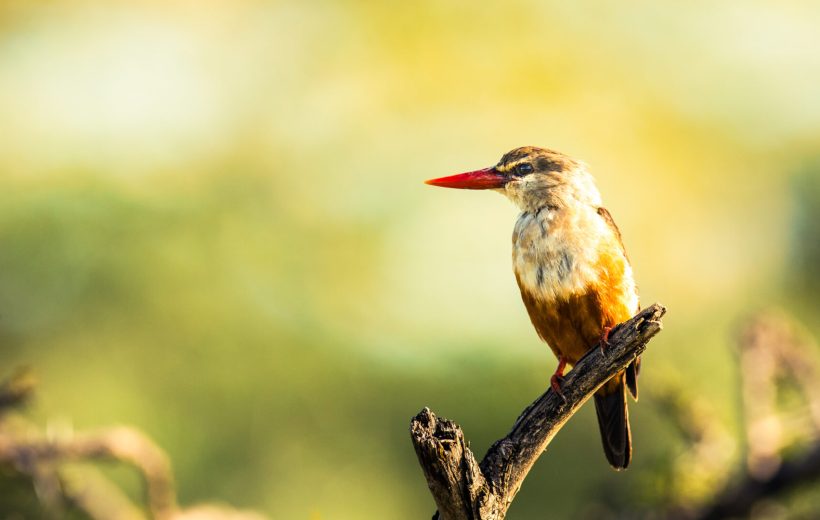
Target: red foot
(558, 377)
(605, 339)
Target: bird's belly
(570, 326)
(572, 287)
(551, 266)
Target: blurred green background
(213, 225)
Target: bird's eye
(523, 169)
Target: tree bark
(462, 488)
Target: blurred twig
(87, 490)
(771, 351)
(121, 444)
(462, 488)
(43, 459)
(701, 468)
(739, 500)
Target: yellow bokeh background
(213, 224)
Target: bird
(572, 271)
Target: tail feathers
(613, 421)
(632, 373)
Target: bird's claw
(555, 383)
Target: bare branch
(464, 490)
(453, 475)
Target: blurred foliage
(806, 235)
(213, 227)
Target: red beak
(483, 179)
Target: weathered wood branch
(462, 488)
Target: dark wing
(634, 368)
(614, 227)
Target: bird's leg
(558, 376)
(604, 342)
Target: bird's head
(532, 178)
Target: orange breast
(573, 324)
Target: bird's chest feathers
(555, 252)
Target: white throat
(555, 250)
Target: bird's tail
(613, 420)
